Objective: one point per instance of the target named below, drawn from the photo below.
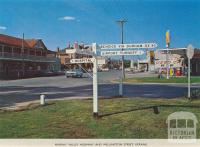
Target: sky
(58, 22)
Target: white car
(74, 73)
(105, 69)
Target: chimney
(76, 45)
(82, 45)
(58, 49)
(68, 46)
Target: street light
(23, 66)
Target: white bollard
(42, 99)
(120, 89)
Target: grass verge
(73, 119)
(162, 80)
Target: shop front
(175, 64)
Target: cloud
(67, 18)
(2, 28)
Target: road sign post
(95, 82)
(189, 85)
(109, 53)
(190, 53)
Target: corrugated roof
(12, 40)
(31, 42)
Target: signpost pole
(190, 53)
(188, 77)
(95, 82)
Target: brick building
(33, 59)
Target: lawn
(73, 119)
(162, 80)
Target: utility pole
(23, 68)
(121, 23)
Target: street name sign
(126, 46)
(190, 51)
(83, 60)
(118, 53)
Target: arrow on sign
(83, 60)
(118, 53)
(125, 46)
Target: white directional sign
(125, 46)
(83, 60)
(118, 53)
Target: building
(74, 52)
(145, 64)
(174, 60)
(178, 60)
(195, 63)
(21, 58)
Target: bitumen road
(15, 92)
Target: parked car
(74, 73)
(105, 69)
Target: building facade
(21, 58)
(195, 63)
(66, 54)
(78, 52)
